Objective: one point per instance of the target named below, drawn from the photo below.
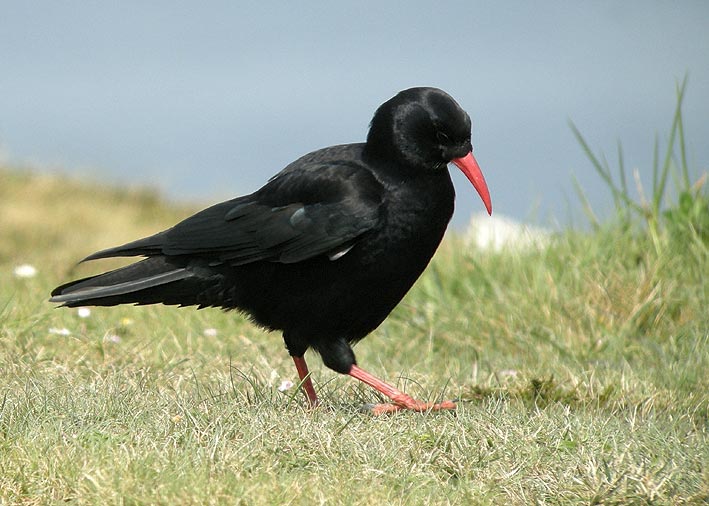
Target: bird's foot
(401, 400)
(387, 408)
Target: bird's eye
(442, 138)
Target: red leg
(307, 385)
(401, 400)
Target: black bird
(325, 250)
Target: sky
(206, 100)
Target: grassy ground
(581, 369)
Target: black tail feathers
(149, 281)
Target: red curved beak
(469, 166)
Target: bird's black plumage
(323, 251)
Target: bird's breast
(416, 215)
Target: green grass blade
(684, 166)
(621, 197)
(585, 204)
(660, 183)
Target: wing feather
(299, 214)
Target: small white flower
(25, 271)
(112, 338)
(83, 312)
(59, 332)
(210, 332)
(285, 385)
(273, 377)
(507, 373)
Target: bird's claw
(387, 408)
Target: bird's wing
(297, 215)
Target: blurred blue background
(207, 100)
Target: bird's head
(424, 128)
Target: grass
(581, 369)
